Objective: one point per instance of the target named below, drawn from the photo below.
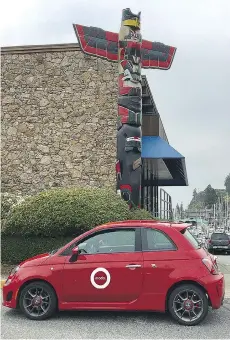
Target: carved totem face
(130, 49)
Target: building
(59, 113)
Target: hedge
(17, 249)
(8, 202)
(52, 218)
(68, 212)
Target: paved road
(224, 260)
(83, 325)
(224, 265)
(99, 325)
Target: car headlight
(14, 271)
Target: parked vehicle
(129, 265)
(219, 242)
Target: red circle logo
(100, 278)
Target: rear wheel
(188, 304)
(38, 301)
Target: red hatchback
(129, 265)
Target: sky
(193, 97)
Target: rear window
(219, 236)
(190, 238)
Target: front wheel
(38, 301)
(188, 304)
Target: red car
(129, 265)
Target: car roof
(146, 223)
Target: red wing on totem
(104, 44)
(96, 41)
(156, 55)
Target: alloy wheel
(188, 305)
(36, 301)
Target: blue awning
(162, 164)
(156, 147)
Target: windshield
(219, 236)
(191, 238)
(52, 252)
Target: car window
(190, 238)
(117, 241)
(157, 240)
(219, 236)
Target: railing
(165, 211)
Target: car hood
(35, 260)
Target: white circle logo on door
(100, 278)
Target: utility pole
(227, 220)
(214, 215)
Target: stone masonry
(59, 110)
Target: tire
(38, 301)
(196, 303)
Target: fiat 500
(129, 265)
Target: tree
(227, 183)
(177, 210)
(181, 210)
(210, 196)
(194, 194)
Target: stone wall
(59, 112)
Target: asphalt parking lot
(99, 325)
(224, 260)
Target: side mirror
(81, 248)
(75, 251)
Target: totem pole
(128, 165)
(132, 53)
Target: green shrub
(8, 201)
(68, 212)
(140, 214)
(18, 249)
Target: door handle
(133, 266)
(153, 265)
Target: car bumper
(219, 248)
(10, 292)
(215, 287)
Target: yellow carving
(132, 22)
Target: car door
(108, 269)
(160, 257)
